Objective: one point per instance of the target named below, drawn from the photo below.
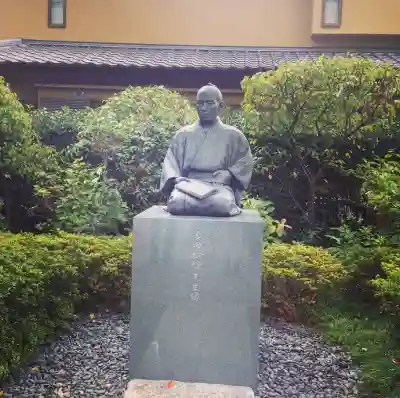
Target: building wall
(208, 22)
(36, 85)
(275, 23)
(362, 17)
(189, 22)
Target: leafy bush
(43, 279)
(130, 134)
(274, 230)
(381, 183)
(23, 162)
(87, 202)
(293, 275)
(311, 120)
(16, 133)
(21, 151)
(372, 260)
(387, 284)
(109, 159)
(82, 199)
(60, 128)
(372, 254)
(381, 190)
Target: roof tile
(22, 51)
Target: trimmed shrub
(45, 279)
(293, 275)
(310, 122)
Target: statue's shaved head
(210, 91)
(209, 103)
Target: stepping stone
(166, 389)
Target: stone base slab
(168, 389)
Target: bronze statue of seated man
(208, 165)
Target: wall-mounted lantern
(57, 13)
(331, 13)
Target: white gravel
(92, 361)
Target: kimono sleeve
(241, 162)
(172, 165)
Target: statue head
(209, 103)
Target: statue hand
(222, 173)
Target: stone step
(168, 389)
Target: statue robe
(219, 156)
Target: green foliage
(351, 234)
(381, 183)
(15, 121)
(309, 118)
(87, 202)
(23, 161)
(372, 259)
(130, 134)
(110, 157)
(235, 117)
(82, 198)
(58, 128)
(43, 279)
(373, 256)
(387, 284)
(293, 275)
(308, 123)
(21, 152)
(370, 339)
(274, 230)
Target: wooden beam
(119, 88)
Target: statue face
(208, 105)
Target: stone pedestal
(196, 287)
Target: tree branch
(295, 201)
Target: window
(331, 13)
(57, 13)
(54, 104)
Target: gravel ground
(296, 363)
(92, 361)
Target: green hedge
(374, 273)
(294, 275)
(45, 279)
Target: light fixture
(331, 13)
(57, 13)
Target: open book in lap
(216, 201)
(196, 189)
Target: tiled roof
(23, 51)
